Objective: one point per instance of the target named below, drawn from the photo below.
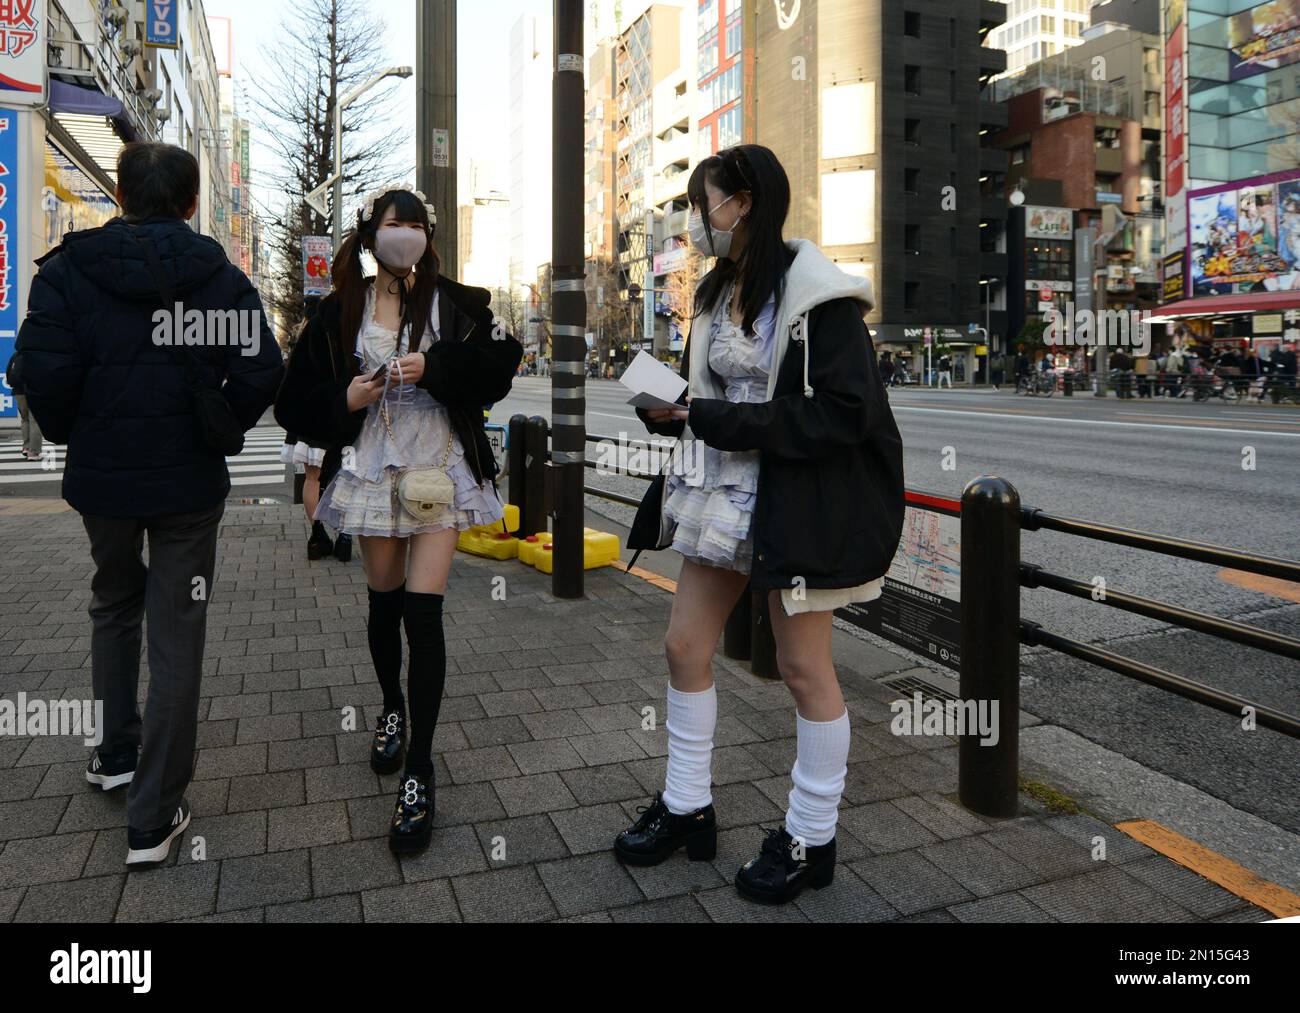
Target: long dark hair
(350, 282)
(751, 169)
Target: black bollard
(762, 651)
(517, 478)
(988, 775)
(738, 635)
(536, 441)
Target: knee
(683, 651)
(801, 673)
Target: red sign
(1175, 143)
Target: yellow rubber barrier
(599, 548)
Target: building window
(911, 296)
(912, 132)
(912, 79)
(912, 24)
(911, 181)
(912, 239)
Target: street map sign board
(920, 604)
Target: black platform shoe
(777, 876)
(319, 545)
(343, 548)
(657, 833)
(390, 740)
(412, 824)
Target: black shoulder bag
(218, 424)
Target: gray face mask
(721, 244)
(400, 249)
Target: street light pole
(568, 304)
(346, 101)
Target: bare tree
(309, 71)
(608, 316)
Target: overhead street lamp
(347, 100)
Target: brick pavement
(541, 760)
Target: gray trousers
(32, 438)
(124, 591)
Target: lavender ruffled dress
(362, 498)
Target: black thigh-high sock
(426, 674)
(384, 633)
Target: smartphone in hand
(379, 373)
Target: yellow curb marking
(661, 582)
(1274, 586)
(1234, 878)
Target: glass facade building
(1243, 88)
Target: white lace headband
(367, 210)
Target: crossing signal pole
(435, 119)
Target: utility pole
(568, 304)
(435, 123)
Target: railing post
(533, 518)
(737, 635)
(517, 478)
(988, 775)
(762, 651)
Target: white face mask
(721, 244)
(400, 249)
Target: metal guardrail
(992, 574)
(992, 632)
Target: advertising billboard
(1176, 140)
(22, 53)
(10, 192)
(1264, 38)
(1245, 236)
(161, 24)
(1048, 223)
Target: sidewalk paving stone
(551, 737)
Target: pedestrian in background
(32, 441)
(142, 461)
(307, 459)
(398, 368)
(945, 370)
(783, 383)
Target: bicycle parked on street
(1033, 384)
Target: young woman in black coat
(797, 490)
(392, 374)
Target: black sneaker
(149, 847)
(784, 867)
(319, 545)
(412, 824)
(111, 770)
(343, 548)
(657, 833)
(389, 742)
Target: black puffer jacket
(471, 365)
(829, 505)
(96, 380)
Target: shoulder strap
(188, 359)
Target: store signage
(161, 23)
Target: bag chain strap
(388, 421)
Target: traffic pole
(568, 304)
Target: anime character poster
(1213, 222)
(1264, 38)
(1288, 237)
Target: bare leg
(803, 654)
(384, 560)
(311, 492)
(704, 599)
(430, 562)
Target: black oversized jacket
(97, 381)
(471, 366)
(829, 507)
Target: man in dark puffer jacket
(102, 378)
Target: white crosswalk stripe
(258, 464)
